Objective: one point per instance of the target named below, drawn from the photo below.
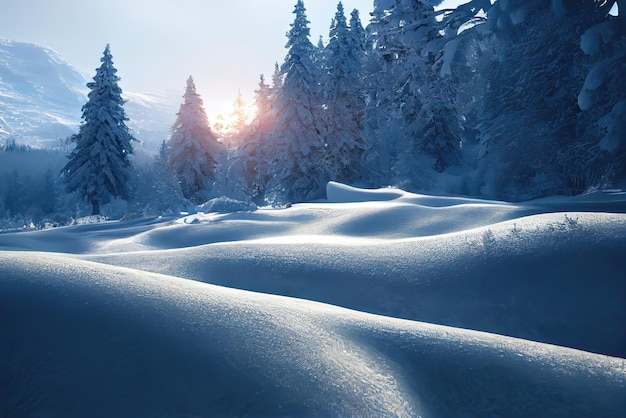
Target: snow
(591, 41)
(92, 219)
(225, 204)
(370, 303)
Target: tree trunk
(95, 207)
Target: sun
(234, 118)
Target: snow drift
(422, 298)
(85, 339)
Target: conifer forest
(511, 100)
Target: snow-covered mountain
(151, 116)
(41, 96)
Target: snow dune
(80, 337)
(373, 303)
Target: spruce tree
(99, 166)
(398, 31)
(411, 111)
(15, 200)
(262, 99)
(277, 80)
(357, 34)
(344, 99)
(193, 149)
(166, 193)
(47, 196)
(254, 143)
(603, 94)
(231, 129)
(239, 115)
(531, 125)
(298, 147)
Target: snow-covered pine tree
(461, 54)
(15, 200)
(239, 115)
(358, 36)
(379, 110)
(398, 31)
(360, 49)
(254, 143)
(193, 149)
(156, 189)
(46, 194)
(298, 147)
(319, 56)
(429, 113)
(277, 81)
(99, 166)
(167, 195)
(445, 52)
(263, 98)
(531, 125)
(231, 129)
(344, 99)
(603, 94)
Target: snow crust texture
(372, 303)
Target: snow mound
(374, 303)
(553, 278)
(84, 339)
(599, 200)
(92, 219)
(225, 204)
(341, 193)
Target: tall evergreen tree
(531, 126)
(277, 81)
(193, 149)
(263, 94)
(47, 195)
(99, 166)
(231, 129)
(344, 100)
(357, 34)
(239, 115)
(298, 147)
(398, 32)
(252, 151)
(603, 94)
(167, 195)
(15, 200)
(319, 56)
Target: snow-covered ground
(373, 303)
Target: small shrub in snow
(571, 223)
(516, 232)
(488, 239)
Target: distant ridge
(40, 93)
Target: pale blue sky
(157, 44)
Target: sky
(157, 44)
